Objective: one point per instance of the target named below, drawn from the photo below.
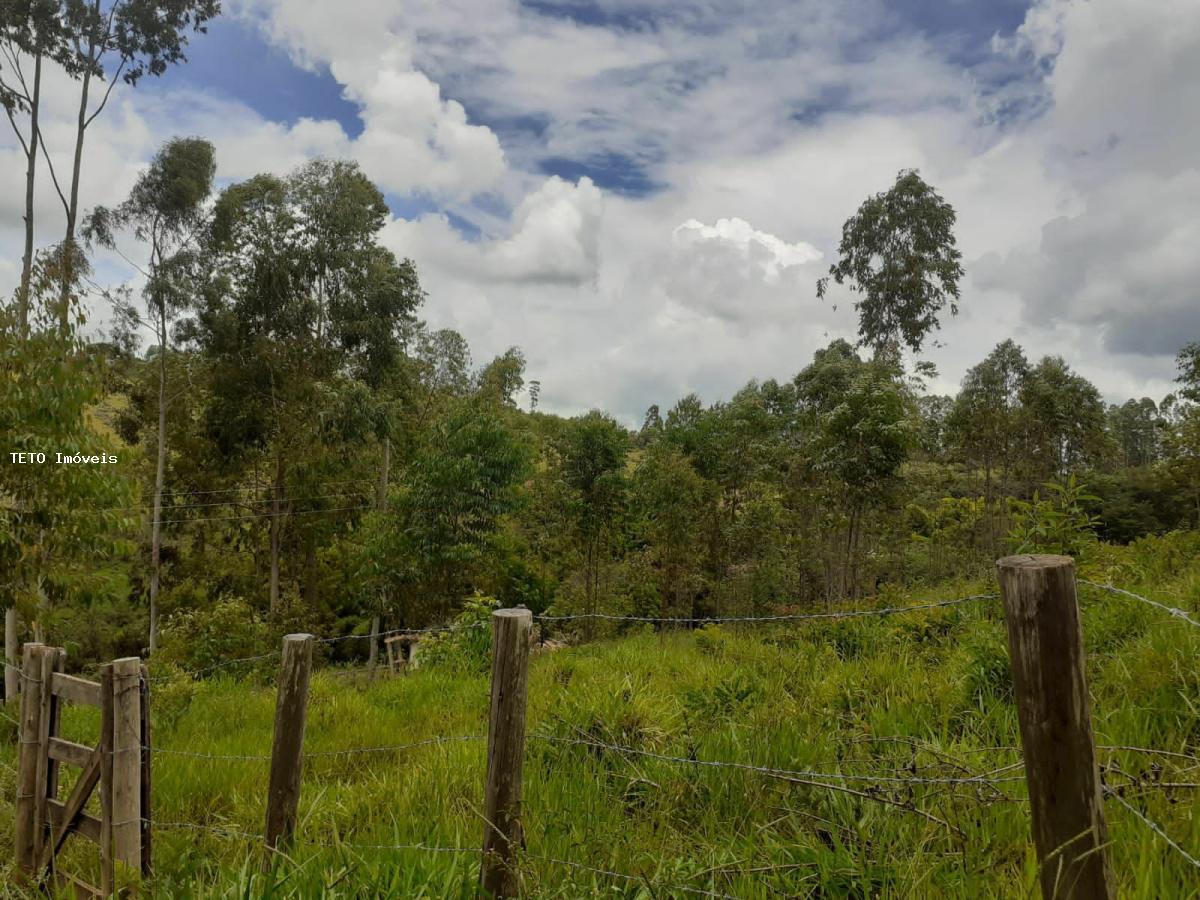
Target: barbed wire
(784, 773)
(307, 754)
(1151, 824)
(712, 620)
(1174, 611)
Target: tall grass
(926, 694)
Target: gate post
(28, 845)
(127, 761)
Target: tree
(593, 462)
(1063, 421)
(669, 498)
(1137, 429)
(984, 421)
(899, 252)
(165, 209)
(300, 294)
(863, 423)
(62, 524)
(142, 37)
(502, 379)
(1188, 363)
(31, 31)
(442, 520)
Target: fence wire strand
(1152, 825)
(792, 617)
(1174, 611)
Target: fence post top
(297, 637)
(520, 613)
(1035, 561)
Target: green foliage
(63, 527)
(1057, 524)
(467, 648)
(898, 251)
(198, 639)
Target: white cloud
(766, 125)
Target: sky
(641, 194)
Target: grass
(925, 693)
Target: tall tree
(300, 294)
(669, 497)
(1063, 421)
(32, 34)
(117, 40)
(984, 421)
(593, 466)
(899, 252)
(165, 210)
(864, 423)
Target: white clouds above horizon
(765, 127)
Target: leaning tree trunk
(30, 176)
(68, 258)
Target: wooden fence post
(502, 835)
(1045, 643)
(291, 709)
(127, 761)
(27, 831)
(107, 728)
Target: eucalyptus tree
(438, 534)
(898, 251)
(299, 291)
(985, 419)
(115, 41)
(862, 424)
(593, 455)
(668, 497)
(1062, 421)
(32, 34)
(166, 211)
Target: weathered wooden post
(28, 830)
(1045, 643)
(127, 761)
(108, 720)
(291, 709)
(502, 835)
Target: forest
(258, 433)
(297, 449)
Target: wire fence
(880, 785)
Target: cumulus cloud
(1126, 266)
(763, 126)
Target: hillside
(873, 719)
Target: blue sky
(642, 193)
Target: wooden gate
(119, 765)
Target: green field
(922, 695)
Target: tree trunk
(11, 652)
(160, 471)
(68, 274)
(381, 502)
(276, 531)
(373, 649)
(30, 176)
